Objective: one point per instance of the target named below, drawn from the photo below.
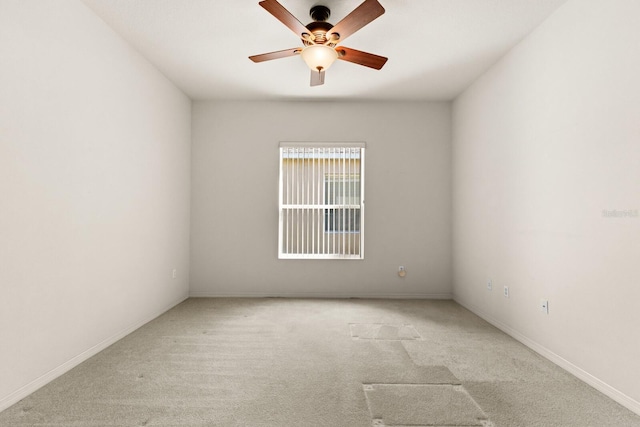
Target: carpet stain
(423, 405)
(381, 331)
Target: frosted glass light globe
(319, 57)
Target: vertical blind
(321, 200)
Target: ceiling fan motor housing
(319, 27)
(319, 31)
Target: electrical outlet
(544, 306)
(490, 284)
(401, 271)
(506, 292)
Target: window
(342, 190)
(321, 200)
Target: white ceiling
(436, 48)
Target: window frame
(349, 243)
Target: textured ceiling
(436, 48)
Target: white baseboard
(580, 373)
(324, 295)
(43, 380)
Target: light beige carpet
(291, 362)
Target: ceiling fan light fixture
(319, 57)
(320, 37)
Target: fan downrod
(320, 13)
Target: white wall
(94, 185)
(543, 143)
(234, 232)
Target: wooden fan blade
(284, 16)
(361, 58)
(317, 78)
(358, 18)
(275, 55)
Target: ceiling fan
(321, 39)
